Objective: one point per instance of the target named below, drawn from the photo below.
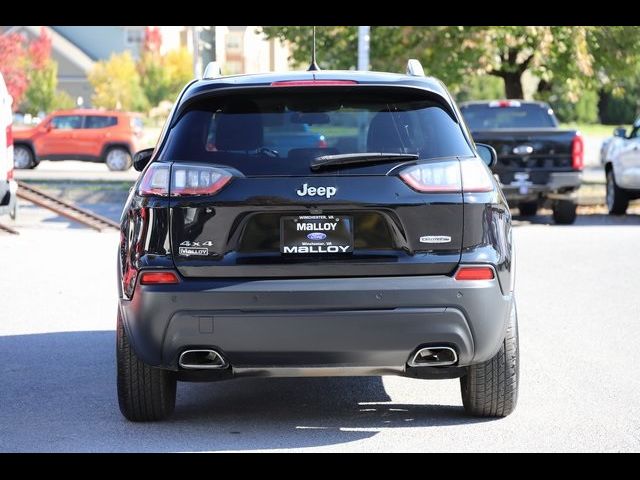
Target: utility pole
(197, 64)
(363, 48)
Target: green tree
(484, 87)
(179, 68)
(574, 58)
(337, 46)
(40, 94)
(116, 84)
(154, 78)
(62, 100)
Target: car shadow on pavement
(59, 394)
(582, 220)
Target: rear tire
(490, 389)
(617, 198)
(13, 213)
(564, 212)
(23, 157)
(528, 209)
(118, 159)
(145, 393)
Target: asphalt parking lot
(578, 306)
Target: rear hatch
(240, 208)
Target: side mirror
(487, 154)
(620, 132)
(141, 158)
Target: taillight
(433, 177)
(181, 180)
(476, 176)
(322, 143)
(577, 152)
(470, 175)
(158, 278)
(474, 273)
(9, 136)
(197, 180)
(155, 180)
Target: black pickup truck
(538, 164)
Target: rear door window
(487, 117)
(280, 132)
(66, 122)
(100, 121)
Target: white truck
(8, 186)
(621, 159)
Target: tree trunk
(544, 86)
(513, 84)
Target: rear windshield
(485, 117)
(279, 132)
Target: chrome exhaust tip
(201, 359)
(434, 357)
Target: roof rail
(414, 67)
(212, 71)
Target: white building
(238, 49)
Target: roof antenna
(314, 66)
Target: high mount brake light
(312, 83)
(474, 273)
(504, 104)
(181, 180)
(469, 175)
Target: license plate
(316, 234)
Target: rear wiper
(346, 159)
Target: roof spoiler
(414, 68)
(212, 71)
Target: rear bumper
(560, 186)
(338, 326)
(8, 195)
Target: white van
(8, 186)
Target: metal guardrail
(8, 229)
(66, 209)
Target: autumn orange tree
(42, 76)
(30, 73)
(13, 60)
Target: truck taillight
(450, 176)
(178, 180)
(10, 152)
(577, 152)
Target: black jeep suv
(386, 249)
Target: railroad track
(66, 209)
(8, 229)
